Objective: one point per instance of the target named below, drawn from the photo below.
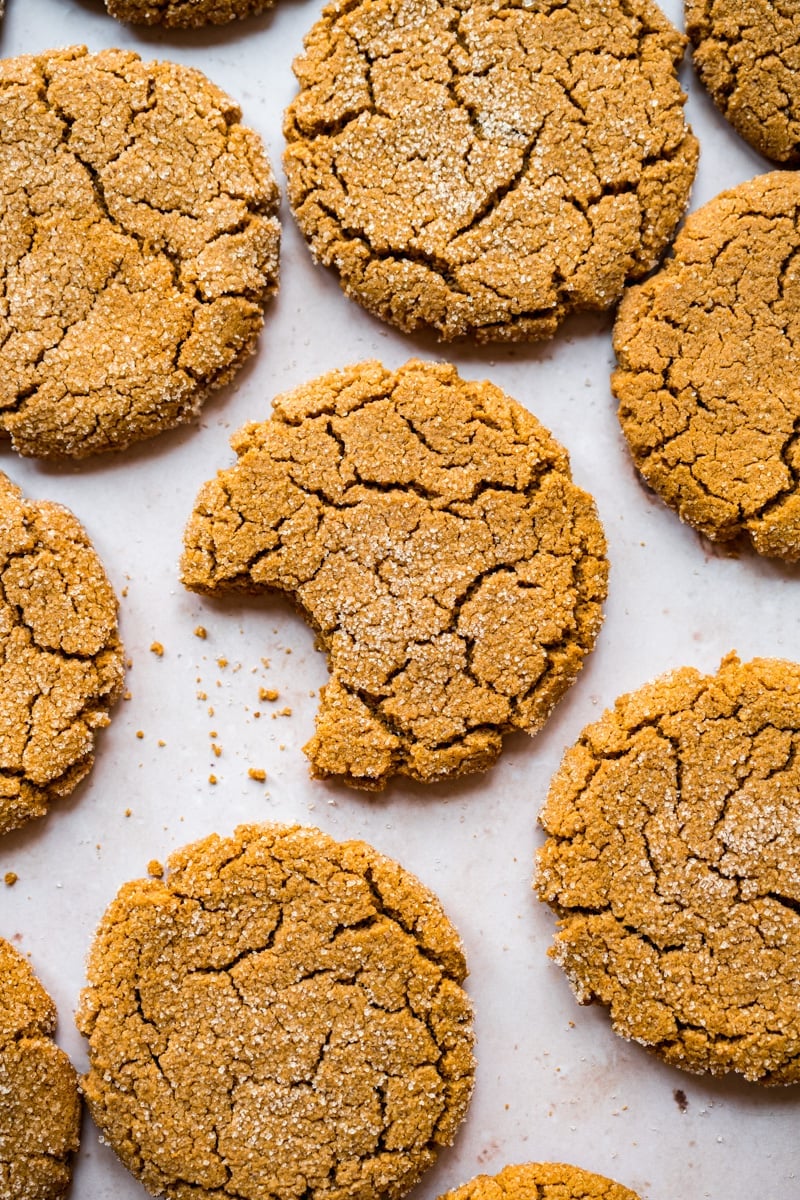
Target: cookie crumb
(155, 868)
(201, 632)
(128, 812)
(212, 779)
(257, 774)
(157, 649)
(268, 693)
(202, 695)
(161, 742)
(11, 877)
(222, 663)
(140, 733)
(217, 749)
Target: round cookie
(674, 868)
(61, 661)
(140, 245)
(707, 378)
(282, 1017)
(40, 1112)
(485, 168)
(184, 14)
(541, 1181)
(429, 530)
(747, 53)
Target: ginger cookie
(140, 245)
(541, 1181)
(673, 866)
(707, 378)
(429, 530)
(40, 1110)
(747, 53)
(485, 168)
(184, 14)
(60, 655)
(280, 1017)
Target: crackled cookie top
(541, 1181)
(708, 361)
(485, 168)
(40, 1110)
(747, 53)
(674, 867)
(184, 14)
(60, 654)
(429, 529)
(139, 247)
(282, 1017)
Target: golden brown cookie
(707, 379)
(61, 661)
(40, 1109)
(184, 14)
(747, 53)
(429, 530)
(486, 168)
(139, 248)
(541, 1181)
(281, 1017)
(674, 867)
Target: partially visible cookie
(747, 53)
(708, 352)
(429, 530)
(484, 168)
(140, 245)
(184, 14)
(61, 663)
(673, 864)
(40, 1109)
(280, 1018)
(541, 1181)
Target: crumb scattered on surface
(672, 872)
(10, 878)
(201, 632)
(157, 649)
(155, 868)
(268, 693)
(430, 530)
(257, 773)
(212, 779)
(60, 651)
(485, 167)
(140, 733)
(285, 1007)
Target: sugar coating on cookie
(40, 1109)
(674, 867)
(61, 665)
(184, 14)
(708, 359)
(484, 168)
(280, 1017)
(541, 1181)
(747, 54)
(140, 245)
(429, 530)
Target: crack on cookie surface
(289, 1010)
(670, 865)
(60, 655)
(428, 530)
(705, 378)
(141, 247)
(40, 1114)
(485, 169)
(746, 55)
